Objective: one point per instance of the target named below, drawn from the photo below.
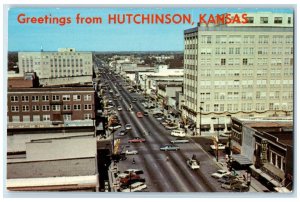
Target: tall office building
(66, 66)
(245, 70)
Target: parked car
(136, 140)
(115, 127)
(139, 114)
(220, 173)
(125, 178)
(132, 170)
(134, 99)
(122, 132)
(127, 126)
(226, 178)
(137, 186)
(180, 140)
(193, 164)
(220, 146)
(171, 126)
(146, 114)
(119, 108)
(240, 187)
(169, 147)
(178, 133)
(132, 152)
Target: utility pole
(200, 117)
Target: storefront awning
(205, 126)
(242, 160)
(266, 176)
(219, 126)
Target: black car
(146, 114)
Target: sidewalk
(255, 185)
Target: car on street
(171, 126)
(220, 146)
(146, 114)
(115, 127)
(119, 108)
(137, 186)
(139, 114)
(127, 126)
(226, 178)
(122, 132)
(131, 152)
(125, 178)
(193, 164)
(178, 133)
(225, 134)
(132, 170)
(134, 100)
(169, 147)
(220, 173)
(180, 140)
(136, 140)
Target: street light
(217, 146)
(230, 151)
(200, 117)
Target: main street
(162, 175)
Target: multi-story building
(240, 69)
(50, 107)
(54, 68)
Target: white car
(132, 152)
(137, 186)
(119, 108)
(178, 133)
(220, 146)
(127, 126)
(220, 173)
(180, 140)
(114, 127)
(193, 164)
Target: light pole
(229, 139)
(200, 117)
(217, 145)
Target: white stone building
(66, 66)
(241, 69)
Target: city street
(162, 175)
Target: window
(87, 107)
(14, 98)
(15, 118)
(263, 20)
(35, 108)
(55, 97)
(87, 116)
(46, 108)
(289, 20)
(77, 107)
(250, 20)
(36, 118)
(25, 98)
(35, 98)
(87, 97)
(55, 107)
(26, 118)
(66, 97)
(76, 97)
(14, 108)
(46, 117)
(45, 98)
(25, 108)
(67, 107)
(245, 61)
(67, 117)
(223, 61)
(278, 20)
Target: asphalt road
(161, 175)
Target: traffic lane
(153, 169)
(209, 165)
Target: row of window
(37, 98)
(246, 107)
(239, 39)
(25, 108)
(45, 118)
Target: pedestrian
(133, 161)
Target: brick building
(49, 106)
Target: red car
(139, 114)
(136, 140)
(128, 177)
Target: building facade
(65, 66)
(49, 106)
(240, 69)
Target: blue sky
(104, 37)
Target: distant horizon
(107, 37)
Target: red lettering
(202, 19)
(21, 20)
(245, 19)
(211, 19)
